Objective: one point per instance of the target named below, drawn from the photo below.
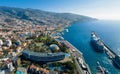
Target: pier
(77, 54)
(109, 52)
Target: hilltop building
(9, 65)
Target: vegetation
(24, 63)
(41, 43)
(64, 48)
(1, 56)
(69, 66)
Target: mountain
(10, 16)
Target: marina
(79, 35)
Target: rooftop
(42, 54)
(54, 46)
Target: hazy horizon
(102, 9)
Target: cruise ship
(96, 42)
(43, 57)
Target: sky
(101, 9)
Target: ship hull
(96, 47)
(116, 64)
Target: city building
(36, 70)
(1, 51)
(16, 61)
(18, 43)
(1, 42)
(9, 65)
(19, 49)
(8, 42)
(43, 57)
(2, 71)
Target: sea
(108, 30)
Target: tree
(70, 65)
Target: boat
(101, 70)
(96, 42)
(81, 62)
(67, 30)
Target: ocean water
(109, 31)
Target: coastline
(79, 36)
(75, 52)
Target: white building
(8, 42)
(2, 71)
(1, 42)
(10, 65)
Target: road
(79, 69)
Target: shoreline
(86, 46)
(76, 51)
(73, 51)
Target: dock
(109, 52)
(107, 49)
(77, 54)
(100, 69)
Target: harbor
(108, 51)
(76, 53)
(81, 65)
(102, 46)
(79, 35)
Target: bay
(109, 31)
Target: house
(9, 65)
